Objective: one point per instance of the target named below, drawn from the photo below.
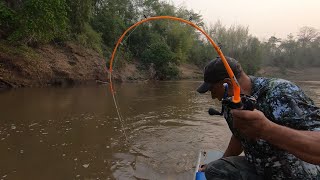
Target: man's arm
(303, 144)
(234, 148)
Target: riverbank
(49, 65)
(69, 64)
(293, 74)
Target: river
(75, 133)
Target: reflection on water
(74, 133)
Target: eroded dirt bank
(69, 64)
(50, 65)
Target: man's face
(217, 90)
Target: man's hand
(303, 144)
(251, 123)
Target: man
(280, 138)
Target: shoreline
(69, 65)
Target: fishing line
(114, 97)
(120, 117)
(236, 87)
(130, 34)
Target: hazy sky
(264, 17)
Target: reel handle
(246, 103)
(249, 103)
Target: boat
(205, 157)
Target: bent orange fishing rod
(236, 87)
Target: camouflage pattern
(231, 168)
(286, 104)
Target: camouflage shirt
(286, 104)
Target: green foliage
(41, 21)
(235, 42)
(79, 13)
(111, 18)
(302, 51)
(109, 26)
(162, 58)
(180, 39)
(164, 44)
(201, 53)
(21, 50)
(158, 53)
(90, 38)
(251, 56)
(6, 18)
(121, 59)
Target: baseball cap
(215, 72)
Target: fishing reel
(246, 103)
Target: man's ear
(228, 80)
(230, 87)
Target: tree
(41, 21)
(80, 13)
(7, 21)
(306, 54)
(306, 35)
(161, 57)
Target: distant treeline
(161, 45)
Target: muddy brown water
(75, 133)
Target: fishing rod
(236, 87)
(235, 102)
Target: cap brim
(203, 88)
